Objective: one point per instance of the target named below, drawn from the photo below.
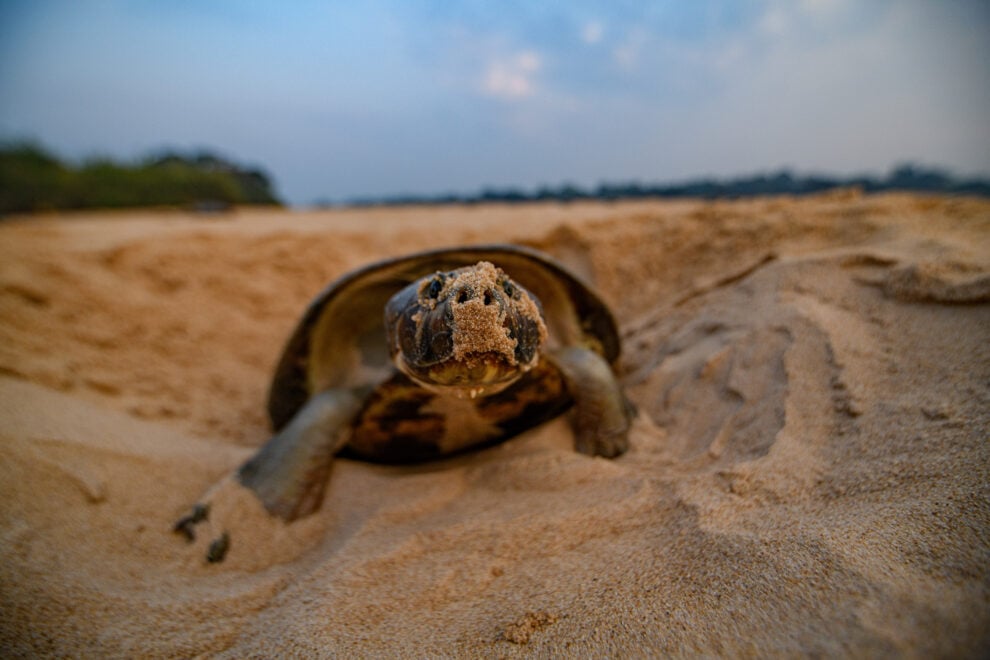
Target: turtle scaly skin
(477, 345)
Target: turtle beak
(476, 374)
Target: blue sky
(345, 99)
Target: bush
(32, 179)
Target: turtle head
(470, 331)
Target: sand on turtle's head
(480, 325)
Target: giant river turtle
(477, 345)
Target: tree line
(907, 177)
(33, 179)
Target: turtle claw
(186, 527)
(218, 549)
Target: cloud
(591, 32)
(513, 77)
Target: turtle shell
(340, 339)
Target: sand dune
(809, 472)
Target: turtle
(428, 355)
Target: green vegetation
(31, 179)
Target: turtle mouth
(473, 375)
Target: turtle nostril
(488, 297)
(463, 296)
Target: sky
(341, 100)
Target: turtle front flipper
(289, 473)
(602, 414)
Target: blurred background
(331, 101)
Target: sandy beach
(809, 472)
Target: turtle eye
(434, 288)
(508, 288)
